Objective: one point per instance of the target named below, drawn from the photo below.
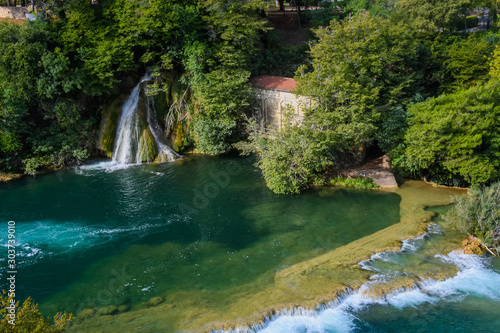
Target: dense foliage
(56, 73)
(455, 137)
(291, 157)
(398, 77)
(359, 182)
(479, 215)
(28, 318)
(40, 123)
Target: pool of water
(104, 235)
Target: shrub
(479, 215)
(291, 157)
(29, 319)
(213, 135)
(358, 182)
(455, 137)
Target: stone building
(272, 95)
(12, 12)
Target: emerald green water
(468, 301)
(94, 236)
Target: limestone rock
(472, 245)
(123, 308)
(86, 313)
(108, 310)
(148, 148)
(156, 301)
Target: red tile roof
(274, 82)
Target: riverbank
(7, 176)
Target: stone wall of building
(13, 12)
(268, 106)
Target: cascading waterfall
(140, 139)
(477, 278)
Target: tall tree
(359, 68)
(433, 15)
(455, 138)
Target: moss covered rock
(108, 310)
(179, 138)
(86, 313)
(123, 308)
(109, 124)
(147, 146)
(156, 301)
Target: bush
(470, 21)
(455, 138)
(479, 215)
(213, 135)
(358, 182)
(29, 319)
(291, 157)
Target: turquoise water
(467, 302)
(106, 235)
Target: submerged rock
(108, 310)
(148, 147)
(156, 301)
(86, 313)
(123, 308)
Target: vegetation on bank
(364, 183)
(56, 74)
(28, 318)
(400, 75)
(478, 214)
(397, 77)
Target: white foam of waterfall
(127, 148)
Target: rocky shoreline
(7, 176)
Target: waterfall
(139, 137)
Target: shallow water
(202, 229)
(467, 302)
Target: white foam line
(474, 278)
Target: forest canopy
(402, 76)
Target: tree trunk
(281, 5)
(298, 11)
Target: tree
(477, 214)
(39, 122)
(455, 138)
(291, 157)
(29, 319)
(467, 60)
(495, 63)
(360, 67)
(281, 4)
(433, 15)
(221, 86)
